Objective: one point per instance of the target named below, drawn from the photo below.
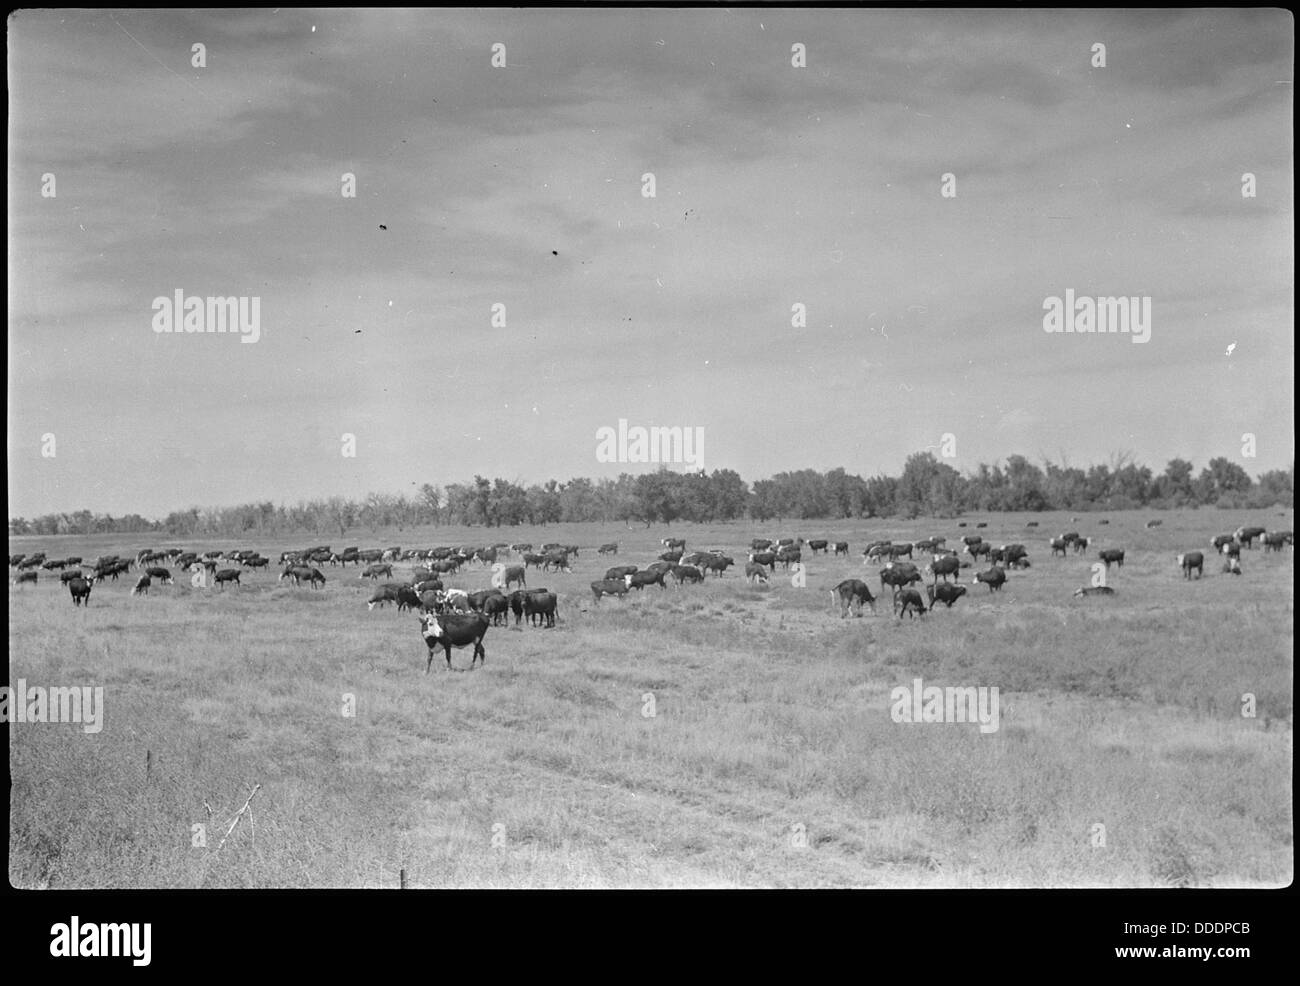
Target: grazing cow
(608, 549)
(767, 558)
(22, 578)
(942, 567)
(454, 630)
(944, 593)
(80, 589)
(163, 575)
(487, 556)
(609, 587)
(374, 571)
(1031, 523)
(842, 548)
(786, 556)
(618, 571)
(981, 525)
(315, 577)
(386, 593)
(1277, 540)
(1112, 556)
(516, 573)
(1095, 590)
(718, 564)
(969, 539)
(1232, 566)
(755, 573)
(980, 549)
(1191, 560)
(407, 598)
(1219, 540)
(540, 607)
(1012, 553)
(687, 573)
(16, 560)
(428, 585)
(1247, 535)
(876, 549)
(852, 593)
(142, 586)
(227, 575)
(1059, 547)
(1154, 523)
(55, 564)
(899, 550)
(1081, 545)
(994, 578)
(899, 575)
(454, 599)
(557, 561)
(818, 545)
(639, 580)
(497, 607)
(909, 601)
(672, 557)
(962, 524)
(674, 543)
(758, 544)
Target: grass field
(771, 759)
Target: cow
(1277, 540)
(486, 556)
(373, 572)
(1059, 546)
(969, 539)
(516, 573)
(142, 586)
(1219, 540)
(1247, 535)
(454, 599)
(1094, 590)
(608, 549)
(227, 575)
(945, 593)
(899, 575)
(841, 548)
(687, 573)
(55, 564)
(1103, 523)
(618, 571)
(497, 607)
(1031, 523)
(899, 550)
(981, 525)
(163, 575)
(1112, 556)
(408, 598)
(994, 578)
(767, 558)
(557, 561)
(608, 587)
(1154, 523)
(1233, 548)
(454, 630)
(852, 593)
(758, 544)
(909, 601)
(1232, 566)
(1081, 544)
(1191, 560)
(672, 557)
(386, 593)
(674, 543)
(819, 544)
(80, 590)
(22, 578)
(639, 580)
(540, 607)
(943, 566)
(720, 563)
(756, 573)
(979, 549)
(787, 557)
(1011, 553)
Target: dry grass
(771, 760)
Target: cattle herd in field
(452, 617)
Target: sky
(521, 186)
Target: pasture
(719, 735)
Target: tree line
(926, 487)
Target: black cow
(756, 573)
(1154, 523)
(68, 576)
(1059, 546)
(386, 593)
(23, 578)
(767, 558)
(1095, 590)
(994, 578)
(899, 575)
(1081, 545)
(228, 575)
(540, 607)
(687, 573)
(943, 566)
(1111, 556)
(618, 571)
(1247, 535)
(720, 563)
(819, 544)
(80, 589)
(899, 550)
(373, 572)
(608, 549)
(981, 525)
(842, 548)
(639, 580)
(516, 573)
(408, 598)
(909, 601)
(672, 557)
(1278, 540)
(852, 593)
(944, 593)
(1192, 560)
(142, 586)
(609, 587)
(454, 630)
(758, 544)
(557, 560)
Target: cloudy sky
(522, 186)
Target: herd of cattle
(452, 617)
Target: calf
(454, 630)
(909, 601)
(945, 593)
(142, 586)
(1081, 545)
(1191, 560)
(842, 548)
(80, 589)
(608, 587)
(852, 593)
(756, 573)
(994, 578)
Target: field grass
(771, 759)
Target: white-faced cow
(842, 548)
(909, 601)
(454, 630)
(1112, 556)
(994, 578)
(1191, 560)
(608, 587)
(756, 573)
(80, 589)
(851, 594)
(945, 593)
(942, 567)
